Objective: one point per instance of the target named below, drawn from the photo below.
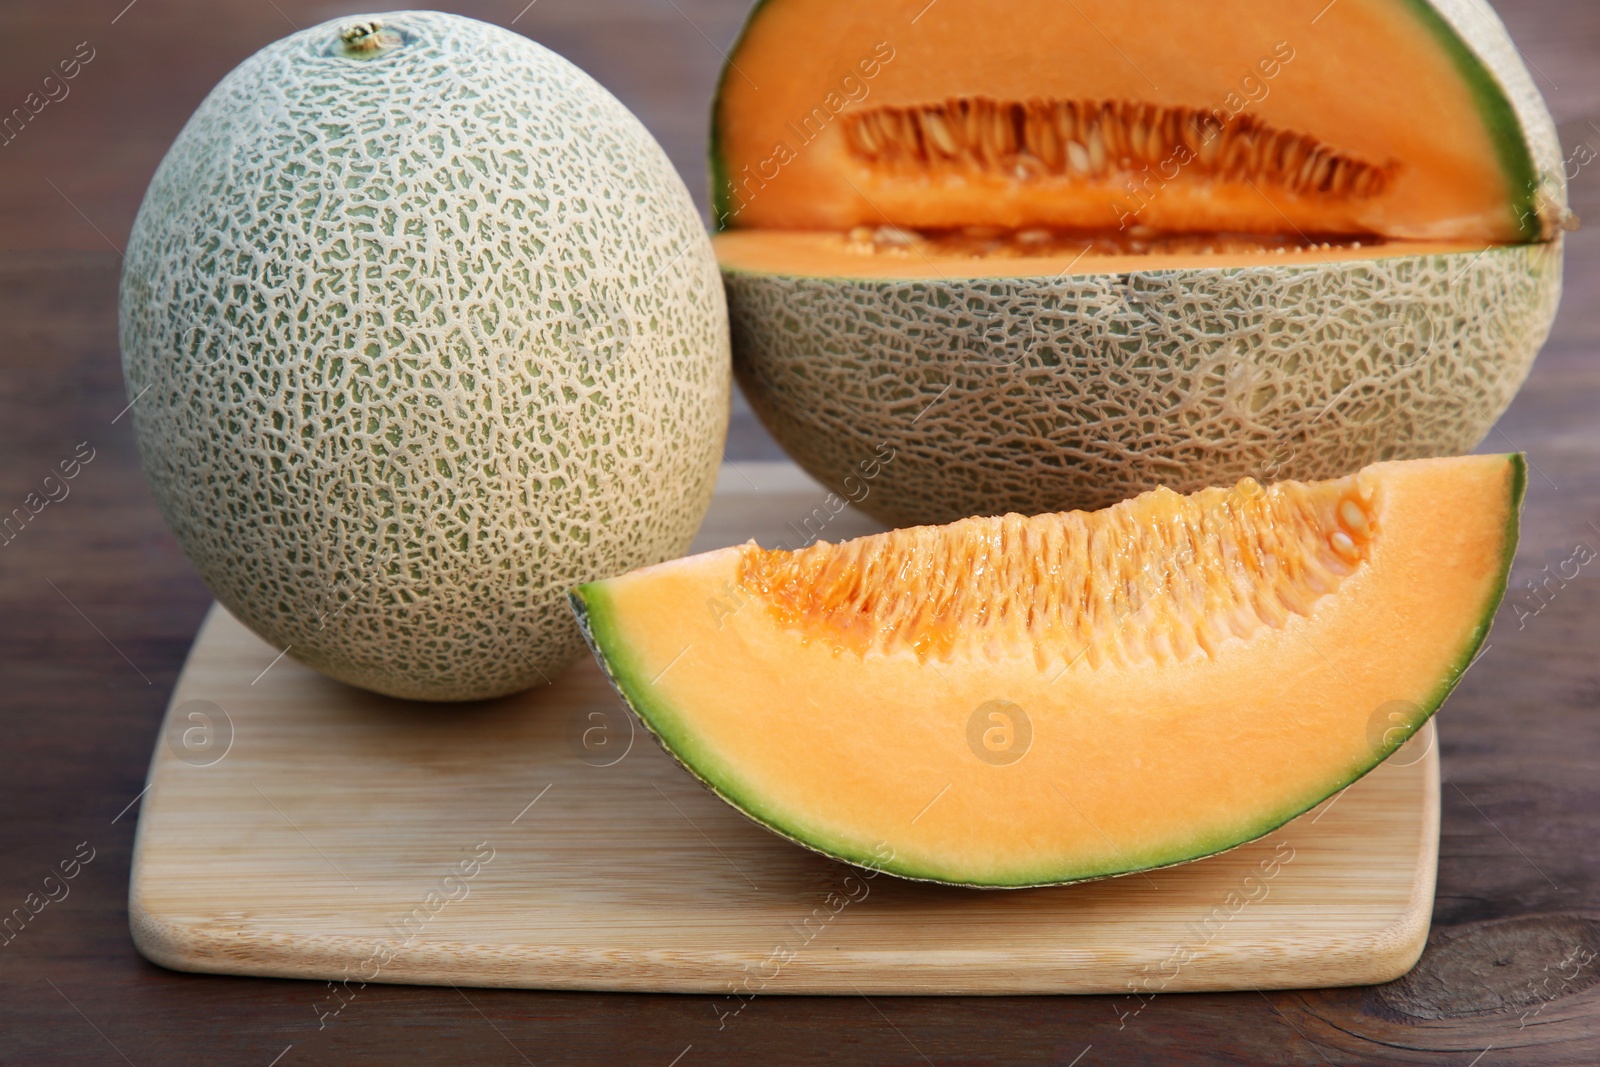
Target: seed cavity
(1103, 139)
(984, 242)
(1160, 578)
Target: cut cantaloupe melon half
(1059, 252)
(1018, 701)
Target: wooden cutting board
(297, 827)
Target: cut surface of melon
(1292, 120)
(1015, 701)
(901, 254)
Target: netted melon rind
(419, 342)
(1049, 394)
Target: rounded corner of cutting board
(1398, 949)
(1395, 950)
(1384, 954)
(163, 943)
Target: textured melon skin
(1049, 394)
(417, 343)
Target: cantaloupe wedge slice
(1018, 701)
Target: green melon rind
(1482, 51)
(596, 616)
(1042, 394)
(1481, 47)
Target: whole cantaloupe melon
(1275, 239)
(422, 329)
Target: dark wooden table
(99, 608)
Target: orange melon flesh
(832, 116)
(815, 254)
(1017, 701)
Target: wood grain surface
(100, 609)
(296, 827)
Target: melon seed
(1342, 543)
(933, 124)
(1078, 157)
(1353, 518)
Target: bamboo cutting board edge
(1364, 957)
